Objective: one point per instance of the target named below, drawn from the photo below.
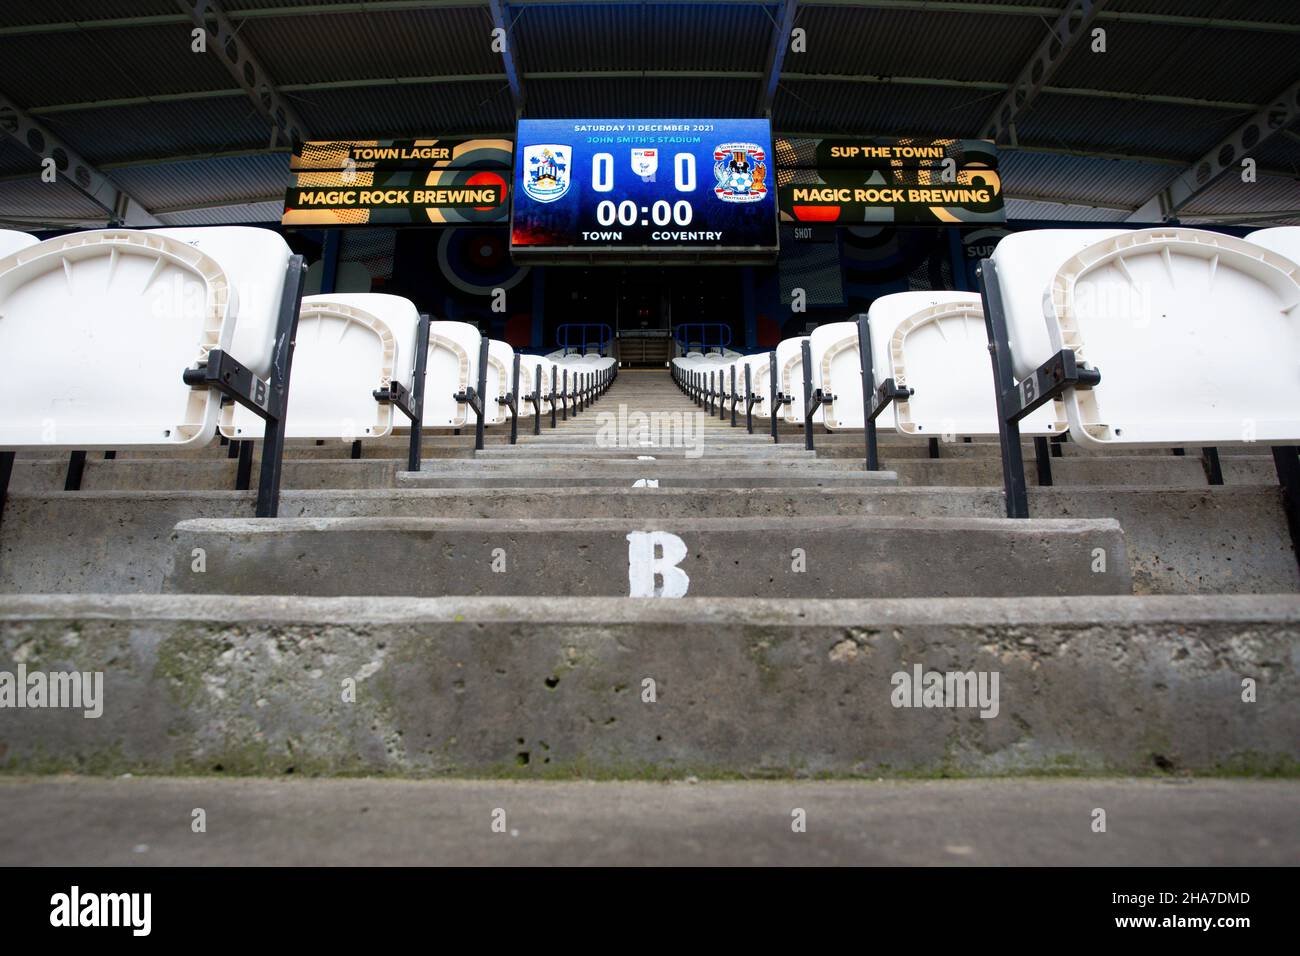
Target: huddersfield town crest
(546, 171)
(644, 163)
(741, 172)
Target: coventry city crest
(546, 171)
(741, 172)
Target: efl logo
(103, 909)
(645, 163)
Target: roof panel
(68, 11)
(1230, 196)
(1280, 151)
(415, 110)
(1272, 12)
(1027, 209)
(162, 129)
(1105, 181)
(17, 161)
(878, 109)
(1133, 126)
(635, 98)
(47, 202)
(956, 46)
(1209, 64)
(106, 64)
(184, 184)
(643, 37)
(327, 47)
(226, 215)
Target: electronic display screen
(632, 190)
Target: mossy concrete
(558, 688)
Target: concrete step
(1179, 541)
(664, 473)
(1093, 470)
(705, 557)
(161, 474)
(633, 463)
(561, 687)
(296, 821)
(709, 452)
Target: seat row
(1108, 338)
(167, 338)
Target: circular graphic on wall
(477, 261)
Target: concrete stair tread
(781, 557)
(750, 687)
(1225, 539)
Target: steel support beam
(1224, 158)
(396, 6)
(501, 21)
(781, 28)
(238, 58)
(785, 77)
(70, 167)
(1071, 26)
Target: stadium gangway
(146, 334)
(358, 356)
(928, 372)
(1126, 328)
(708, 332)
(565, 334)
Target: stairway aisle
(585, 605)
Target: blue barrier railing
(702, 335)
(575, 337)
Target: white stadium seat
(1170, 317)
(760, 368)
(452, 367)
(836, 371)
(597, 361)
(11, 241)
(935, 344)
(1284, 240)
(529, 366)
(121, 338)
(348, 345)
(98, 327)
(500, 378)
(789, 369)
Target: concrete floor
(147, 821)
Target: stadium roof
(1154, 127)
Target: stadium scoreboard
(632, 190)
